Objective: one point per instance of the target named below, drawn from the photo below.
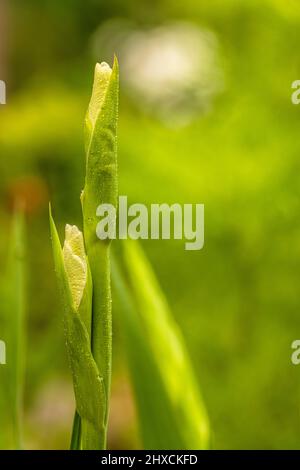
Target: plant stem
(91, 438)
(102, 319)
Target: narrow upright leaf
(13, 321)
(170, 407)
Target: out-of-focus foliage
(170, 408)
(13, 328)
(237, 300)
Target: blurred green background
(205, 117)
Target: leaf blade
(169, 358)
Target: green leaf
(170, 407)
(13, 321)
(88, 384)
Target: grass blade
(14, 300)
(170, 407)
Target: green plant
(83, 269)
(170, 407)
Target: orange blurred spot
(28, 192)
